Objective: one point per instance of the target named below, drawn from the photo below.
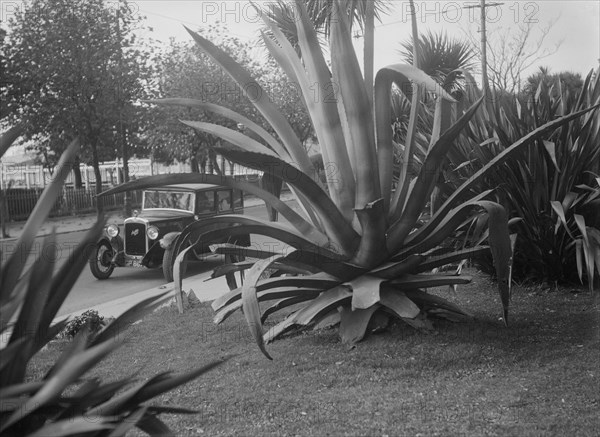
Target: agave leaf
(19, 390)
(292, 216)
(438, 223)
(211, 229)
(77, 346)
(226, 269)
(263, 103)
(451, 257)
(337, 268)
(241, 251)
(31, 311)
(154, 426)
(234, 137)
(71, 371)
(327, 301)
(328, 125)
(287, 57)
(121, 401)
(501, 247)
(177, 276)
(312, 281)
(63, 281)
(127, 425)
(163, 385)
(371, 250)
(393, 270)
(75, 426)
(354, 105)
(10, 136)
(398, 303)
(423, 298)
(227, 113)
(283, 293)
(411, 282)
(329, 320)
(365, 291)
(9, 308)
(115, 328)
(425, 182)
(402, 75)
(250, 301)
(354, 323)
(10, 354)
(171, 410)
(284, 303)
(337, 226)
(12, 269)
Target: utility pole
(484, 76)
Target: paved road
(89, 291)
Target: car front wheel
(101, 263)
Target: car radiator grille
(135, 239)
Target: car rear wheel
(101, 263)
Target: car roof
(187, 187)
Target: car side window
(205, 200)
(238, 199)
(224, 200)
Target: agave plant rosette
(360, 249)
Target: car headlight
(112, 231)
(152, 232)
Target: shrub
(552, 185)
(90, 319)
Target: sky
(576, 24)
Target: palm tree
(443, 58)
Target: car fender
(154, 256)
(118, 248)
(116, 243)
(168, 239)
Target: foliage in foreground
(552, 185)
(64, 402)
(361, 250)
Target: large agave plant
(65, 402)
(361, 252)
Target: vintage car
(148, 238)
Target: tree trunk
(98, 175)
(194, 164)
(214, 165)
(125, 153)
(77, 173)
(273, 185)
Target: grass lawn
(537, 377)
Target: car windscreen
(169, 199)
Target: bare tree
(512, 50)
